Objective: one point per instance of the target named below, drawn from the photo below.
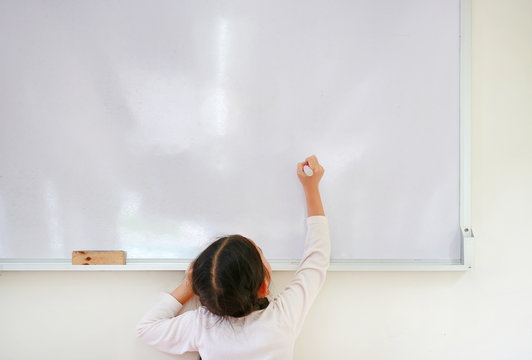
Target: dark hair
(227, 276)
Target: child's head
(231, 277)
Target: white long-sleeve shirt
(264, 334)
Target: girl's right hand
(310, 182)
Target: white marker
(308, 170)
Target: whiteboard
(155, 126)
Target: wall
(484, 313)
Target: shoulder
(276, 311)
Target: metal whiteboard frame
(467, 246)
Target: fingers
(300, 171)
(312, 162)
(190, 267)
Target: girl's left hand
(188, 273)
(184, 291)
(188, 278)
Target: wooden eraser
(98, 257)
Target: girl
(231, 278)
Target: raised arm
(311, 185)
(295, 300)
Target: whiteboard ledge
(178, 265)
(463, 264)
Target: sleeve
(296, 299)
(162, 329)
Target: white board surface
(153, 127)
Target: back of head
(228, 275)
